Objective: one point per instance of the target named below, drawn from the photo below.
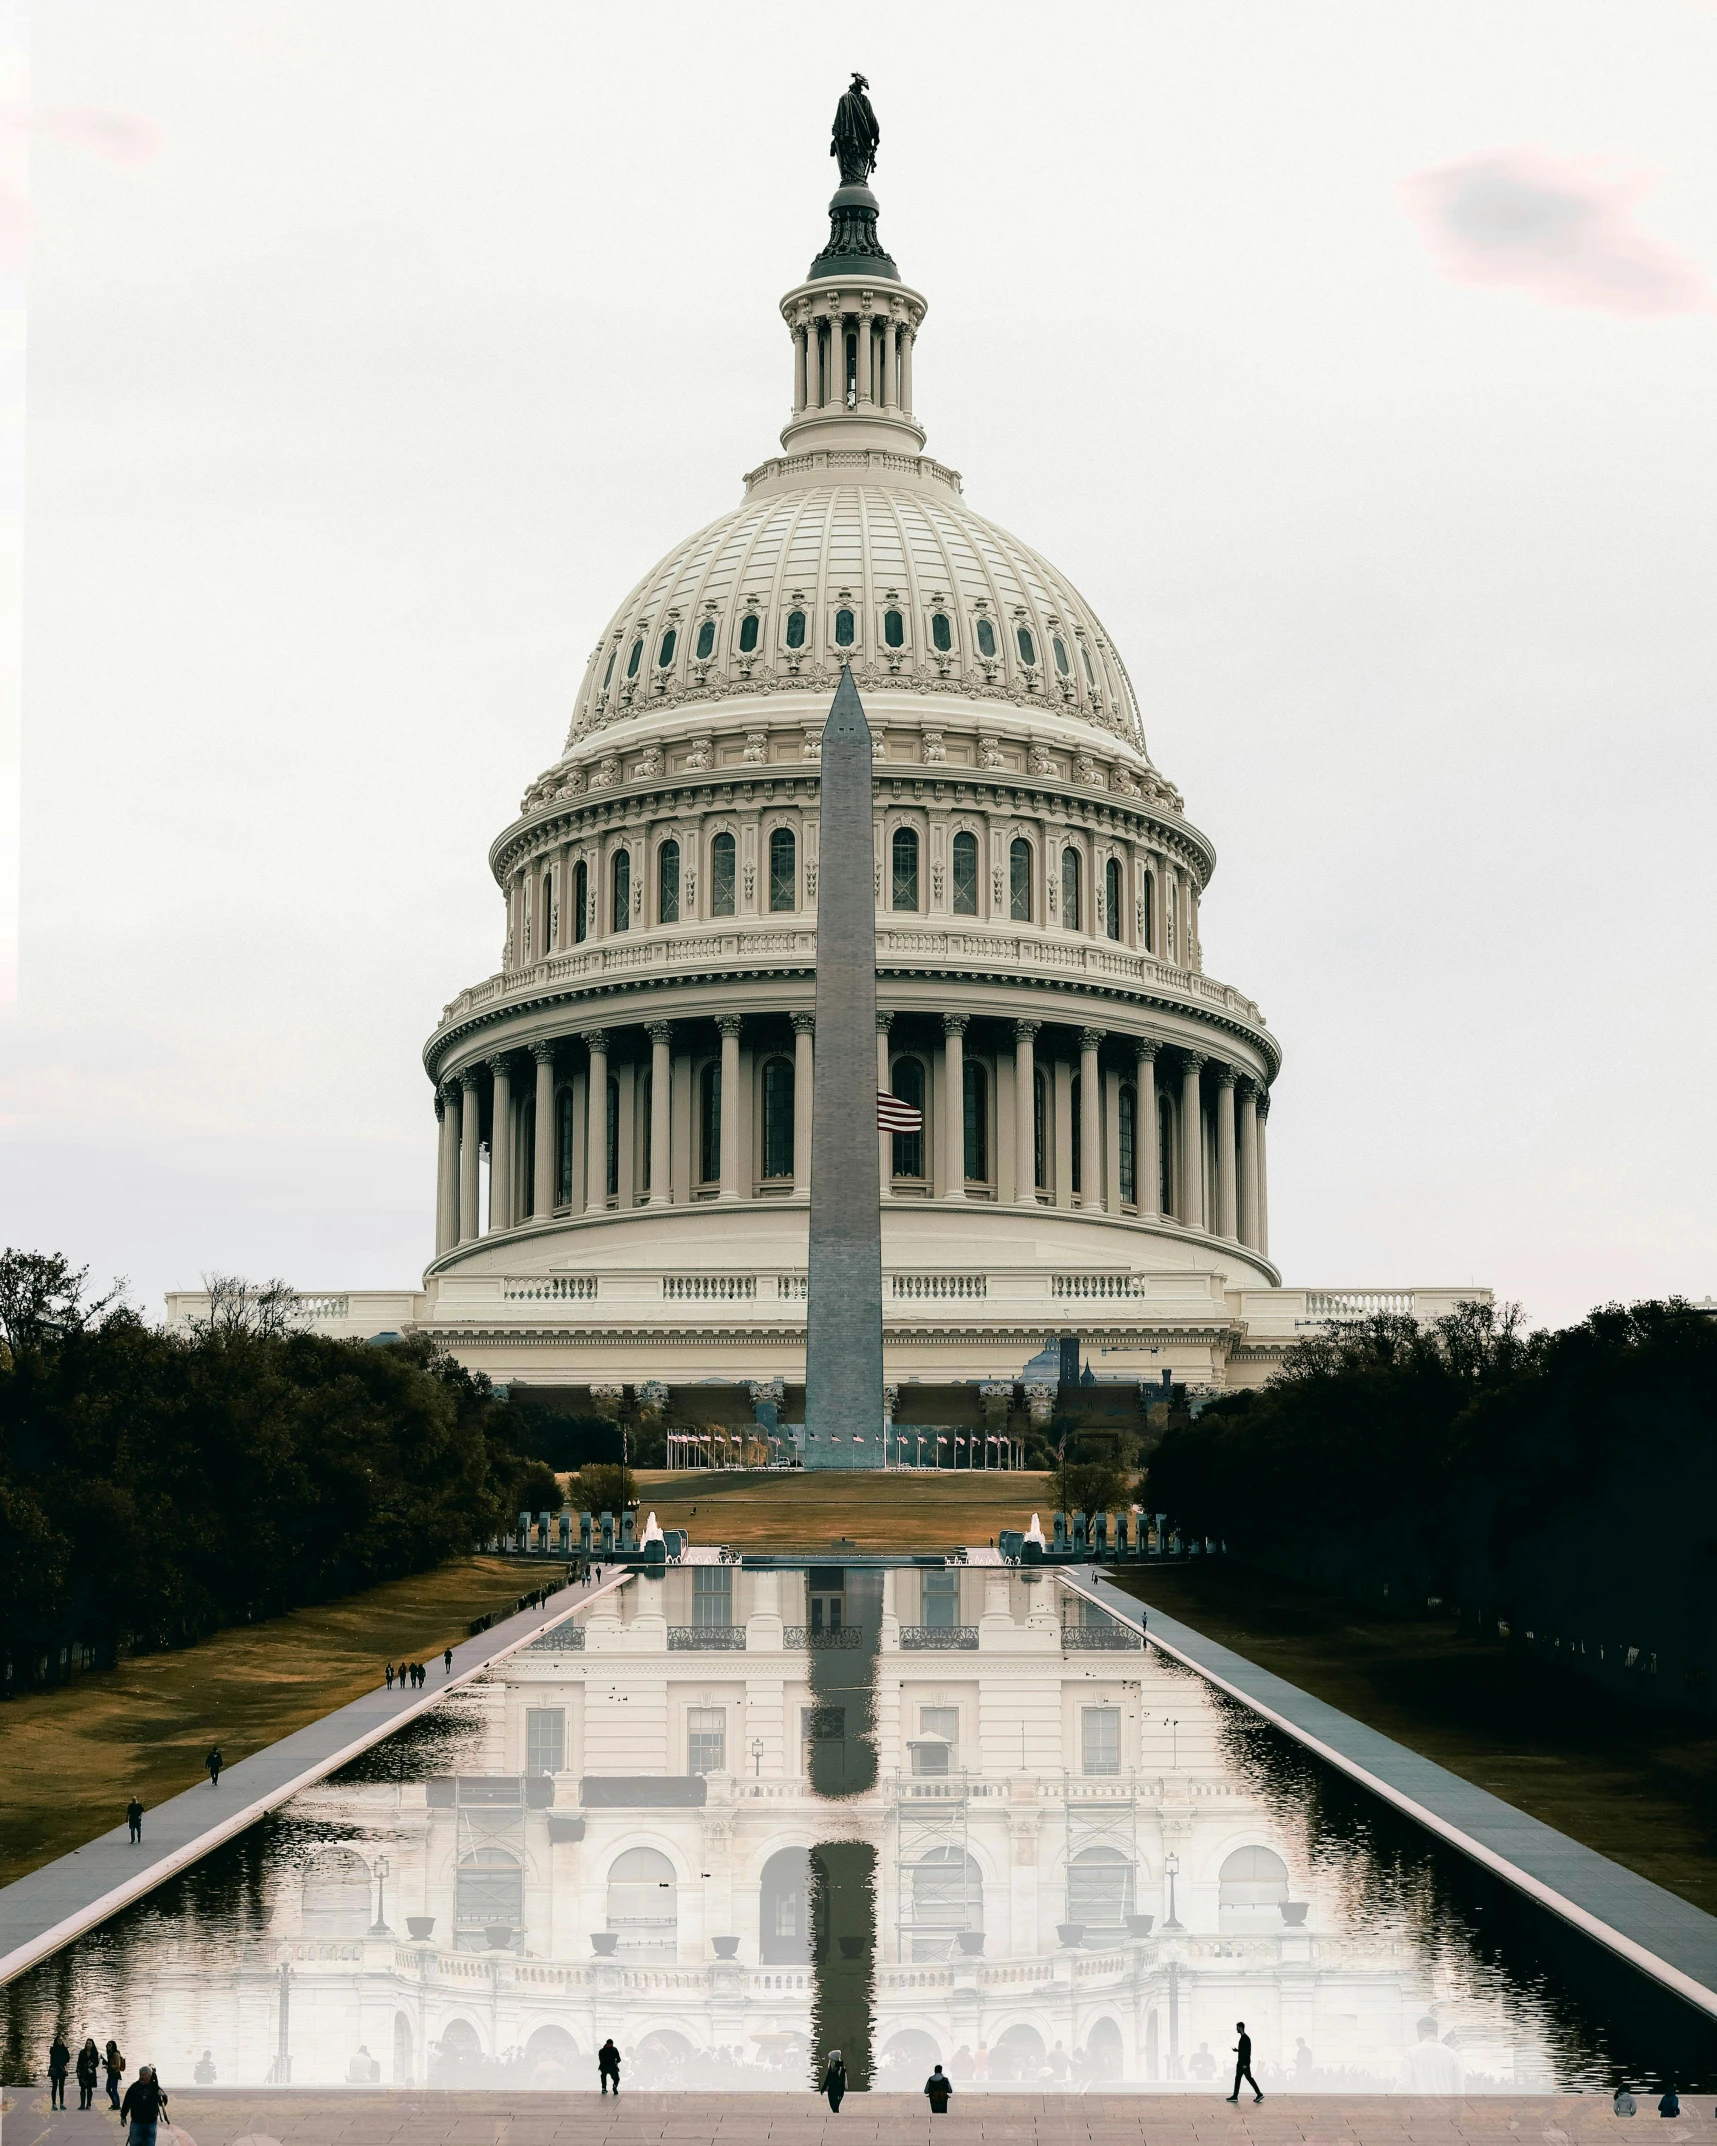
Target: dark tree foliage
(154, 1486)
(1562, 1482)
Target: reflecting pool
(733, 1818)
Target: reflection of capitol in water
(617, 1833)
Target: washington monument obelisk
(843, 1355)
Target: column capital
(1091, 1039)
(470, 1077)
(1263, 1101)
(448, 1092)
(442, 1104)
(659, 1031)
(1227, 1076)
(1025, 1030)
(804, 1024)
(955, 1024)
(1193, 1062)
(501, 1065)
(729, 1024)
(543, 1053)
(1250, 1088)
(1145, 1046)
(596, 1039)
(884, 1022)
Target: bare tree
(42, 1298)
(264, 1309)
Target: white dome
(813, 571)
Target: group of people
(414, 1673)
(1669, 2102)
(145, 2098)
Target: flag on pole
(894, 1116)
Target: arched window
(947, 1897)
(784, 1909)
(748, 633)
(668, 883)
(551, 913)
(1090, 674)
(977, 1122)
(783, 870)
(634, 659)
(844, 629)
(1061, 662)
(580, 902)
(645, 1125)
(1019, 880)
(334, 1900)
(1099, 1889)
(965, 874)
(1150, 891)
(1252, 1880)
(1076, 1101)
(1040, 1128)
(621, 917)
(1112, 897)
(1027, 646)
(665, 654)
(1165, 1155)
(1127, 1129)
(795, 629)
(489, 1891)
(613, 1134)
(527, 1192)
(893, 629)
(986, 639)
(722, 854)
(706, 641)
(904, 852)
(608, 674)
(563, 1148)
(941, 633)
(1070, 889)
(526, 917)
(909, 1147)
(709, 1124)
(643, 1905)
(778, 1118)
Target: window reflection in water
(1078, 1867)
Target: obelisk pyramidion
(843, 1354)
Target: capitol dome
(625, 1105)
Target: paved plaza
(379, 2118)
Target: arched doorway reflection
(784, 1909)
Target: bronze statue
(856, 134)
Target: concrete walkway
(65, 1898)
(1667, 1937)
(378, 2117)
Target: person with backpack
(142, 2107)
(113, 2062)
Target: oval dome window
(1061, 656)
(941, 633)
(634, 659)
(1090, 674)
(843, 629)
(665, 654)
(1027, 646)
(795, 629)
(748, 633)
(893, 629)
(706, 639)
(986, 638)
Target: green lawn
(1638, 1785)
(813, 1509)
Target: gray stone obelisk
(843, 1355)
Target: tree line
(155, 1486)
(1556, 1489)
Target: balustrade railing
(1100, 1285)
(1100, 1638)
(941, 1285)
(706, 1638)
(1357, 1303)
(801, 1635)
(939, 1639)
(702, 1288)
(551, 1288)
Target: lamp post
(757, 1756)
(1171, 1870)
(380, 1928)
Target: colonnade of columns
(880, 376)
(659, 1116)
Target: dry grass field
(70, 1758)
(813, 1510)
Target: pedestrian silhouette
(1670, 2105)
(59, 2063)
(134, 1818)
(937, 2088)
(1243, 2063)
(447, 1663)
(214, 1762)
(1624, 2103)
(835, 2081)
(608, 2066)
(113, 2062)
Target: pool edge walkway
(1656, 1930)
(51, 1906)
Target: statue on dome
(855, 134)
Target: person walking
(59, 2063)
(113, 2061)
(608, 2066)
(1243, 2063)
(142, 2107)
(447, 1663)
(88, 2070)
(214, 1762)
(835, 2081)
(388, 1673)
(937, 2088)
(134, 1818)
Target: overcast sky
(1356, 362)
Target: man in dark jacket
(214, 1762)
(59, 2063)
(1243, 2062)
(608, 2066)
(938, 2087)
(134, 1819)
(141, 2109)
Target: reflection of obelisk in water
(843, 1353)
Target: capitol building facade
(624, 1108)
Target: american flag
(894, 1116)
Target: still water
(734, 1819)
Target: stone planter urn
(1294, 1912)
(420, 1926)
(1139, 1925)
(603, 1942)
(972, 1943)
(726, 1948)
(498, 1936)
(1070, 1933)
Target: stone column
(884, 1141)
(470, 1137)
(890, 371)
(1227, 1212)
(501, 1143)
(661, 1114)
(1263, 1176)
(1147, 1162)
(596, 1138)
(1191, 1142)
(1025, 1114)
(447, 1168)
(1249, 1164)
(729, 1024)
(906, 342)
(864, 327)
(954, 1105)
(543, 1187)
(1090, 1119)
(801, 337)
(804, 1028)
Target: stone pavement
(379, 2117)
(1673, 1941)
(63, 1899)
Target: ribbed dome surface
(796, 582)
